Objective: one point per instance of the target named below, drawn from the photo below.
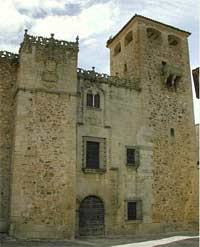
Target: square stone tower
(157, 54)
(44, 140)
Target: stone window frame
(94, 92)
(139, 210)
(137, 156)
(102, 154)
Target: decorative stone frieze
(30, 40)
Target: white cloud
(93, 20)
(10, 20)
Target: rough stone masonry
(84, 153)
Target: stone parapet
(30, 40)
(9, 56)
(116, 81)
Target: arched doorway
(91, 216)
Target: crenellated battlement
(9, 56)
(42, 41)
(94, 76)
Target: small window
(130, 156)
(134, 210)
(132, 215)
(89, 99)
(97, 101)
(172, 132)
(117, 49)
(125, 68)
(128, 38)
(92, 155)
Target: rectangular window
(172, 132)
(132, 211)
(92, 155)
(130, 156)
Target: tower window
(172, 132)
(128, 38)
(154, 35)
(173, 40)
(117, 49)
(125, 68)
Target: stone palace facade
(84, 153)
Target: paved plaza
(191, 240)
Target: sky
(94, 21)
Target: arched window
(128, 38)
(173, 40)
(89, 99)
(154, 35)
(97, 101)
(117, 49)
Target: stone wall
(128, 57)
(44, 150)
(170, 116)
(118, 122)
(8, 72)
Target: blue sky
(94, 21)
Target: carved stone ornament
(50, 73)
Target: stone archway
(91, 216)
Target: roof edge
(109, 41)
